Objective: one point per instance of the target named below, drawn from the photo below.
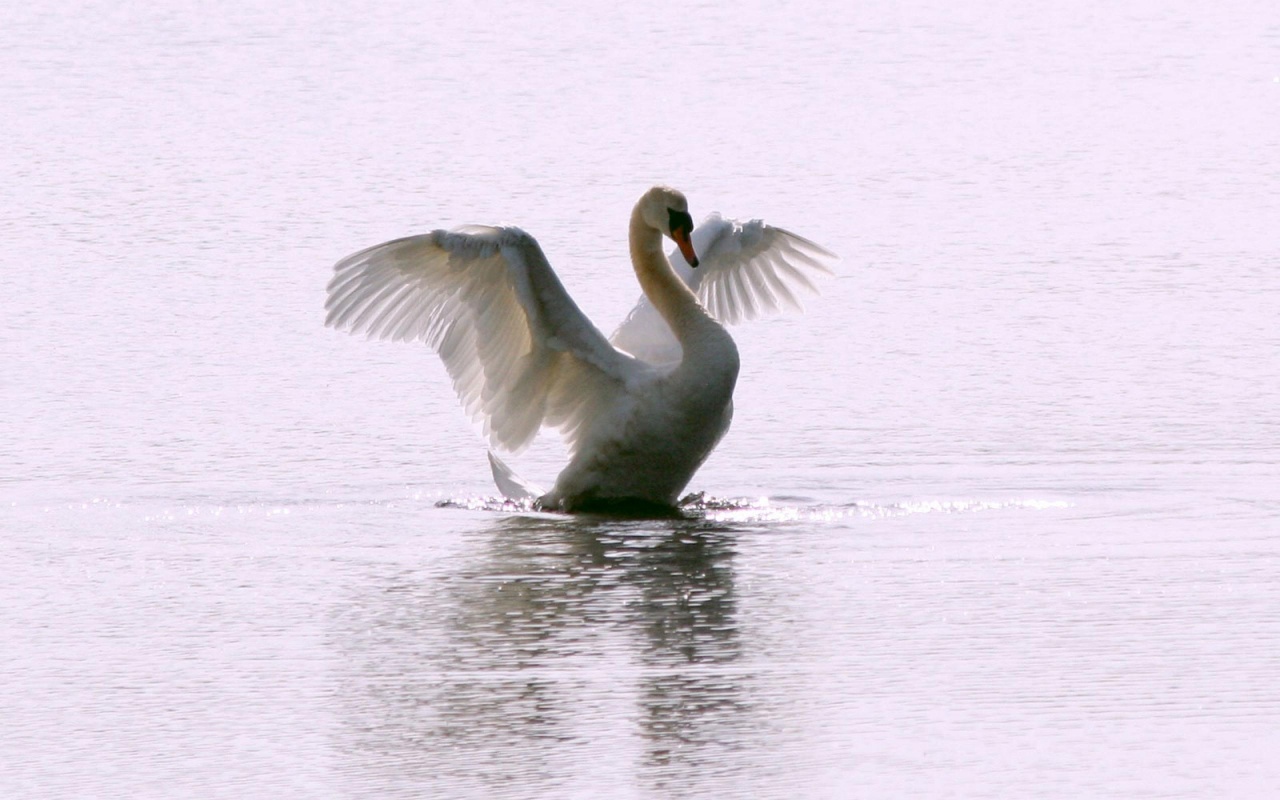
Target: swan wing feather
(519, 351)
(746, 270)
(749, 270)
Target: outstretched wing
(746, 270)
(750, 269)
(519, 350)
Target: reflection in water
(557, 643)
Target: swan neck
(669, 295)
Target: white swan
(640, 414)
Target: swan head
(667, 211)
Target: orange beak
(681, 238)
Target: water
(1004, 514)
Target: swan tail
(512, 486)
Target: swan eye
(679, 221)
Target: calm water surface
(1006, 519)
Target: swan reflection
(534, 653)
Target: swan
(640, 412)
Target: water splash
(764, 509)
(496, 504)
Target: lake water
(1007, 499)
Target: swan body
(639, 413)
